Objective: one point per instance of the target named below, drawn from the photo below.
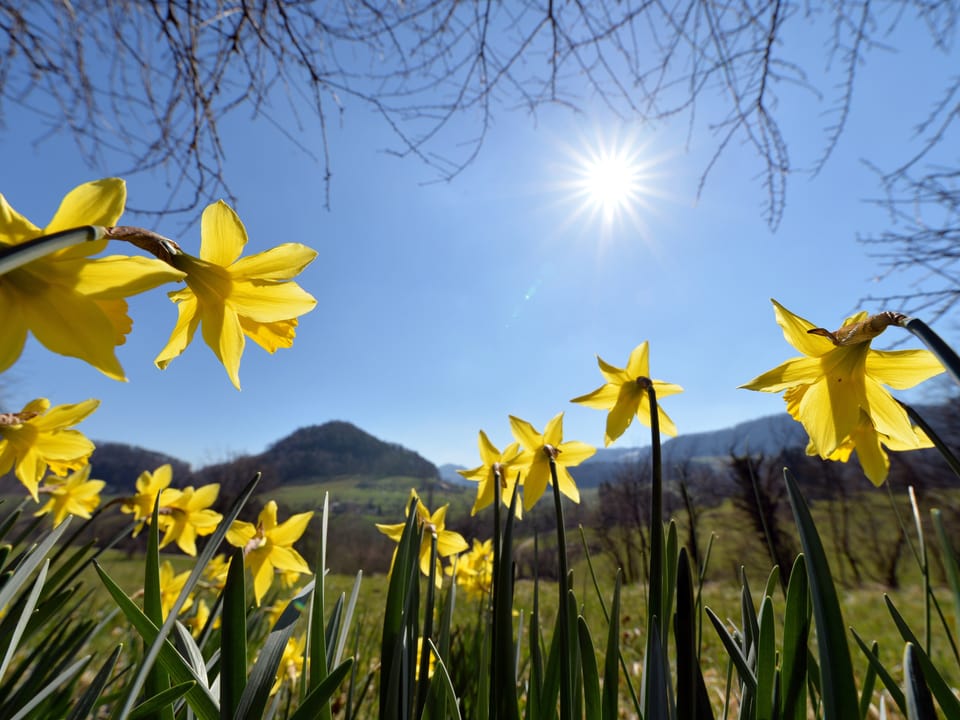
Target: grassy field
(354, 544)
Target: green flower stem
(935, 343)
(496, 597)
(566, 671)
(15, 256)
(655, 610)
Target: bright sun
(611, 182)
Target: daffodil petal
(450, 543)
(262, 578)
(665, 389)
(222, 235)
(667, 426)
(622, 413)
(62, 416)
(485, 492)
(68, 323)
(99, 202)
(574, 452)
(286, 558)
(553, 432)
(289, 531)
(603, 398)
(279, 263)
(534, 484)
(525, 433)
(829, 412)
(240, 533)
(270, 336)
(222, 334)
(566, 484)
(611, 373)
(14, 227)
(118, 276)
(488, 451)
(13, 329)
(795, 331)
(188, 319)
(270, 302)
(187, 539)
(902, 369)
(887, 414)
(873, 459)
(797, 371)
(394, 532)
(206, 495)
(639, 363)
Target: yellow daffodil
(837, 389)
(73, 305)
(494, 463)
(625, 395)
(234, 297)
(538, 450)
(431, 663)
(149, 485)
(171, 584)
(448, 541)
(40, 437)
(216, 571)
(291, 664)
(185, 514)
(268, 546)
(198, 621)
(76, 495)
(473, 570)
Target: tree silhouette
(154, 81)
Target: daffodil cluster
(75, 304)
(268, 546)
(41, 438)
(183, 514)
(75, 495)
(836, 389)
(473, 570)
(432, 525)
(531, 454)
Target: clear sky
(445, 307)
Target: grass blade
(233, 636)
(938, 686)
(611, 674)
(588, 666)
(319, 697)
(90, 696)
(201, 701)
(919, 700)
(839, 692)
(796, 634)
(889, 683)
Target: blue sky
(445, 307)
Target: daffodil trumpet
(16, 256)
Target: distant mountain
(320, 453)
(340, 448)
(448, 473)
(767, 435)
